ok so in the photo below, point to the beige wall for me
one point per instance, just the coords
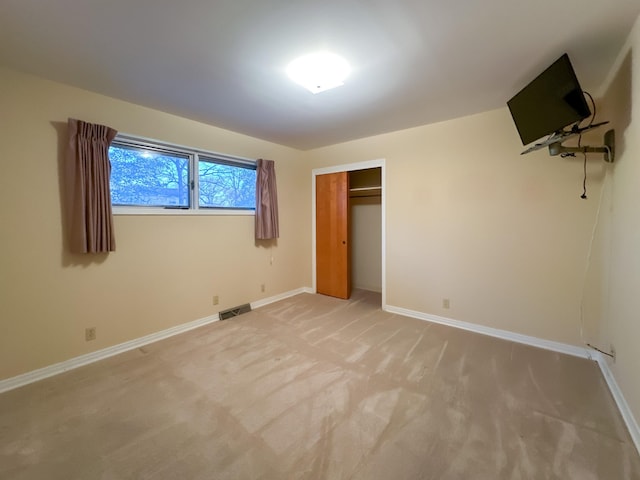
(166, 268)
(505, 237)
(366, 243)
(613, 308)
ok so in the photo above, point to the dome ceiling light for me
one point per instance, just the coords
(318, 72)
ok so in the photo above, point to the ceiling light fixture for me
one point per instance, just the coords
(318, 72)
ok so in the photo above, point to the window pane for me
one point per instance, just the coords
(226, 186)
(141, 177)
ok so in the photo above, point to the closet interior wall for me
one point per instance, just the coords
(365, 198)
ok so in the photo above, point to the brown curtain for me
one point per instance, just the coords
(266, 201)
(88, 205)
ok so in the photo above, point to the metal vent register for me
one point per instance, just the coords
(235, 311)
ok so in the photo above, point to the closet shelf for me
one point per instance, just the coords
(365, 192)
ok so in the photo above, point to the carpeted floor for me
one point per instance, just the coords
(314, 387)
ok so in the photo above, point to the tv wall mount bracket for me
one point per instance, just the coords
(554, 142)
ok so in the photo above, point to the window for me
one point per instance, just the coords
(153, 177)
(145, 177)
(225, 185)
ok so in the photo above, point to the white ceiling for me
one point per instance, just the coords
(223, 61)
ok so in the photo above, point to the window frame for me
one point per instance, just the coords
(193, 155)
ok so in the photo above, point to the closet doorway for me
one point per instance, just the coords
(348, 229)
(365, 205)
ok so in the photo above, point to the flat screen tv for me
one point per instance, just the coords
(552, 101)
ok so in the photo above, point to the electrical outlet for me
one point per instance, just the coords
(90, 334)
(216, 300)
(262, 287)
(446, 303)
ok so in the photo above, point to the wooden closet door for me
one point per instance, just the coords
(333, 258)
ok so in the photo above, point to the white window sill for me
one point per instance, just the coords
(180, 211)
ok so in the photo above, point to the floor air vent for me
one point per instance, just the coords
(235, 311)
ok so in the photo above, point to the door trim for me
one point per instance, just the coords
(348, 168)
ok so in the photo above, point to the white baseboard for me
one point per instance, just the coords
(496, 332)
(281, 296)
(55, 369)
(623, 406)
(576, 351)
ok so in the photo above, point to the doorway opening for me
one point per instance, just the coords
(365, 240)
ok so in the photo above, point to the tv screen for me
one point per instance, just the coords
(549, 103)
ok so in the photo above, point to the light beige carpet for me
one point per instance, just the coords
(319, 388)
